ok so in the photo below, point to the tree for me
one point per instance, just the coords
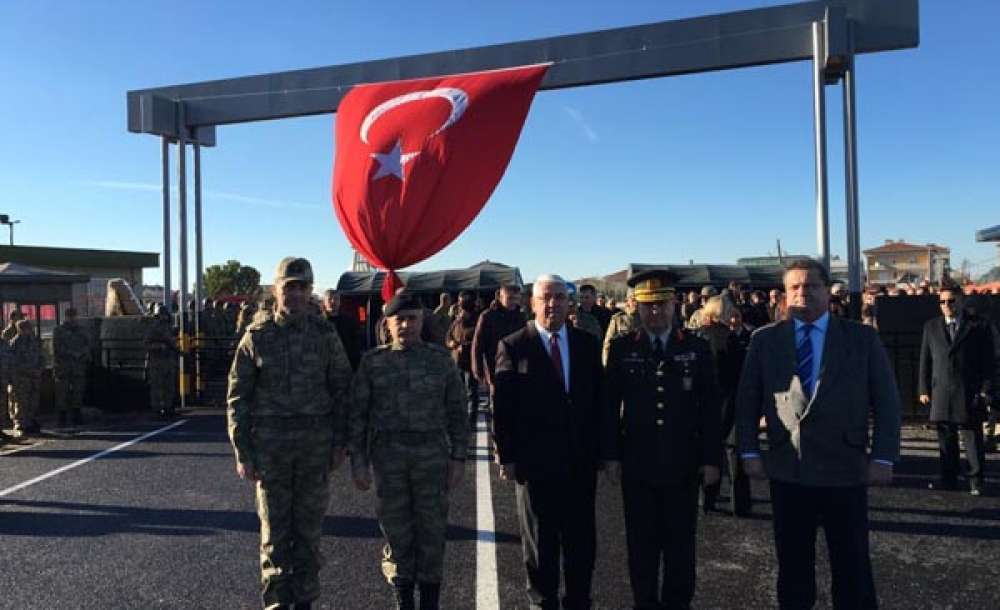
(231, 278)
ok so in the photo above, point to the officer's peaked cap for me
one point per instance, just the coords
(653, 285)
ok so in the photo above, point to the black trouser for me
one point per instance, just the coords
(738, 487)
(472, 392)
(660, 526)
(799, 510)
(557, 521)
(975, 451)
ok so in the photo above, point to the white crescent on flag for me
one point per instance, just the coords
(458, 99)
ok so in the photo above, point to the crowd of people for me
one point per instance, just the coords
(666, 395)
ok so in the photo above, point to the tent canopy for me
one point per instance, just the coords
(354, 283)
(24, 284)
(696, 276)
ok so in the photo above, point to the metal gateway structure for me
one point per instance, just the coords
(830, 33)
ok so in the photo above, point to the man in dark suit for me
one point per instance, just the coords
(661, 433)
(546, 426)
(348, 328)
(817, 379)
(956, 374)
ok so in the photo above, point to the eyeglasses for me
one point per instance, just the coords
(948, 301)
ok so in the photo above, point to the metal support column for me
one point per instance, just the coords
(199, 288)
(854, 284)
(182, 229)
(819, 129)
(165, 155)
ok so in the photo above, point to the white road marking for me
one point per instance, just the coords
(487, 588)
(62, 469)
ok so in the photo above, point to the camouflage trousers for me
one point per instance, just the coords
(162, 377)
(292, 498)
(24, 400)
(70, 382)
(411, 482)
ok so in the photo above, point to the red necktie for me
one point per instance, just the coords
(556, 355)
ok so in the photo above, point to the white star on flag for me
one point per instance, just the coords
(392, 162)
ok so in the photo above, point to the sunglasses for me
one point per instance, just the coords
(948, 301)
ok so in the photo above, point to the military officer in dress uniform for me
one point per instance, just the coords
(661, 437)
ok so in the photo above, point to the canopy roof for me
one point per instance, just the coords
(16, 273)
(450, 280)
(696, 276)
(24, 284)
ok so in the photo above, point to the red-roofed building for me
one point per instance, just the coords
(898, 261)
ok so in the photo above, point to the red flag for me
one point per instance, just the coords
(416, 160)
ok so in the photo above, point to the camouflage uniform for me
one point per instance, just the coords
(6, 417)
(622, 323)
(161, 365)
(407, 419)
(27, 363)
(247, 311)
(587, 321)
(71, 356)
(5, 364)
(286, 414)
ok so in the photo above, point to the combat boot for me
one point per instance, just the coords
(75, 417)
(404, 596)
(430, 595)
(63, 418)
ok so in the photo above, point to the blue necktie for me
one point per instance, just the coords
(804, 354)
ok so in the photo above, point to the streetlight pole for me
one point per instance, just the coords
(5, 220)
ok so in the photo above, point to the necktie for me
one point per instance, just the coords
(804, 355)
(658, 348)
(952, 329)
(556, 355)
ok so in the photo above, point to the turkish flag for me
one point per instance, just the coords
(416, 160)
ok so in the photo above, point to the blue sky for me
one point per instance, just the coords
(706, 167)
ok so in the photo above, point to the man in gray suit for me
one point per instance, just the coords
(816, 379)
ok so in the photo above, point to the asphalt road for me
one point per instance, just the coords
(165, 523)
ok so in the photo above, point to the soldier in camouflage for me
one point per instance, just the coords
(247, 311)
(408, 423)
(10, 331)
(71, 356)
(5, 364)
(27, 363)
(161, 363)
(622, 323)
(287, 391)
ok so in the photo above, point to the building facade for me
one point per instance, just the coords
(896, 262)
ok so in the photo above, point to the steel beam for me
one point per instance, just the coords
(716, 42)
